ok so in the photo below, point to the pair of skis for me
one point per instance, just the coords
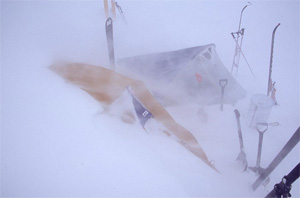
(238, 38)
(264, 173)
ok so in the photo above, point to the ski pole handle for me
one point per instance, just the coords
(242, 31)
(232, 34)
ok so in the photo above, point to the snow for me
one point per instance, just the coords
(56, 140)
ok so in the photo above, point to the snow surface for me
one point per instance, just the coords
(56, 140)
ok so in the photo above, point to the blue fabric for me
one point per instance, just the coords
(143, 114)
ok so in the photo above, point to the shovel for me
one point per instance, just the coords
(242, 155)
(222, 83)
(261, 128)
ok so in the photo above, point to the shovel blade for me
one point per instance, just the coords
(243, 158)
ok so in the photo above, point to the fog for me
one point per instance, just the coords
(57, 140)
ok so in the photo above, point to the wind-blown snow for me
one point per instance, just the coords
(56, 140)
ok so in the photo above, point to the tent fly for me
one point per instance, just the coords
(184, 76)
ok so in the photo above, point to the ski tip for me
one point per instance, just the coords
(211, 164)
(215, 169)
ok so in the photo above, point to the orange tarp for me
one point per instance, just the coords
(106, 86)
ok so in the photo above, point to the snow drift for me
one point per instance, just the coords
(106, 86)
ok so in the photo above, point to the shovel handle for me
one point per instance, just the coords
(262, 127)
(108, 22)
(237, 113)
(223, 82)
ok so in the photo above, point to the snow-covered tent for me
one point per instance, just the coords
(107, 86)
(189, 75)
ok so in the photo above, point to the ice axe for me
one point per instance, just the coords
(222, 83)
(242, 155)
(261, 127)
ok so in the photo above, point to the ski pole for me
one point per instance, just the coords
(284, 187)
(222, 83)
(261, 127)
(236, 57)
(292, 142)
(241, 52)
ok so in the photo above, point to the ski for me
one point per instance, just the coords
(110, 42)
(271, 61)
(284, 187)
(113, 8)
(242, 155)
(106, 8)
(292, 142)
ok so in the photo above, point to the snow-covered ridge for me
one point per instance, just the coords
(56, 140)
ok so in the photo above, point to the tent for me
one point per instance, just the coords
(106, 86)
(190, 75)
